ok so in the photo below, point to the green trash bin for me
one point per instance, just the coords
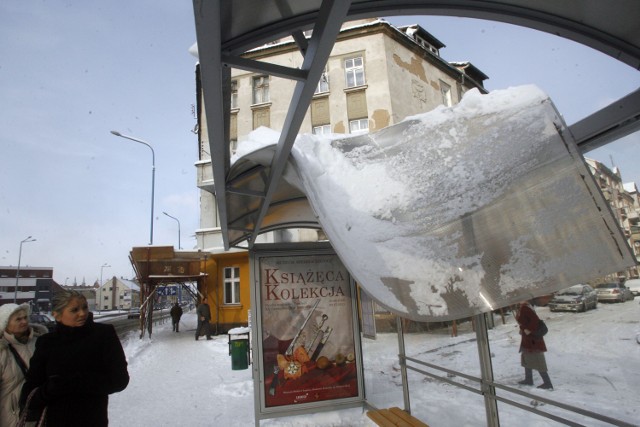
(239, 350)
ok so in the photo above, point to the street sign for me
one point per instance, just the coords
(167, 290)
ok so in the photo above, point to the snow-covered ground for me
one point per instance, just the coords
(593, 359)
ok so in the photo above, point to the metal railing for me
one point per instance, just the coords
(484, 384)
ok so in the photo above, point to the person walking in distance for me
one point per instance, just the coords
(176, 314)
(204, 317)
(532, 347)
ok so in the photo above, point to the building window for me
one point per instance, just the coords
(359, 126)
(232, 285)
(261, 117)
(445, 89)
(260, 89)
(323, 84)
(234, 94)
(354, 71)
(426, 45)
(321, 130)
(233, 126)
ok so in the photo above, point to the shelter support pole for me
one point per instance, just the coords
(486, 369)
(403, 365)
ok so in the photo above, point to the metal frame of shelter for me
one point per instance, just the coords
(227, 28)
(158, 266)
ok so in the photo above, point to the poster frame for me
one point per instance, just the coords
(256, 254)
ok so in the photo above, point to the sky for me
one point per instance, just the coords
(72, 71)
(176, 380)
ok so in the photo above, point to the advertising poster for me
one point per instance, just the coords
(308, 347)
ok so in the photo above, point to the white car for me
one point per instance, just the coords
(613, 291)
(634, 286)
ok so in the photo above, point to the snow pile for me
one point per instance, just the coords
(459, 210)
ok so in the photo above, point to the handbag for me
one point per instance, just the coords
(541, 330)
(42, 420)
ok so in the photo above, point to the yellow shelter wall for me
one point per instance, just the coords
(226, 316)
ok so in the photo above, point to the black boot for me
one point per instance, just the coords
(528, 377)
(546, 385)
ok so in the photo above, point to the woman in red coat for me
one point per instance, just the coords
(532, 348)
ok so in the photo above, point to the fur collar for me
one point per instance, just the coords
(36, 331)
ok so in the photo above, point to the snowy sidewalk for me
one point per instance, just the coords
(592, 358)
(178, 381)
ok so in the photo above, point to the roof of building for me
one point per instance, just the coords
(630, 187)
(163, 264)
(130, 284)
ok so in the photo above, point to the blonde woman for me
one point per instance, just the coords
(76, 367)
(17, 345)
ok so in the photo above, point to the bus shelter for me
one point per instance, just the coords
(251, 203)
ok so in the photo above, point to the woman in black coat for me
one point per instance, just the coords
(76, 367)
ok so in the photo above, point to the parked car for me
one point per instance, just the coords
(613, 291)
(634, 286)
(43, 319)
(575, 298)
(134, 313)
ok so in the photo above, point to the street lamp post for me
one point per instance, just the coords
(178, 221)
(102, 267)
(15, 293)
(153, 172)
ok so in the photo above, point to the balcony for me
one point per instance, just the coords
(205, 176)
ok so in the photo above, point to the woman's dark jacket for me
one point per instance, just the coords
(528, 319)
(76, 369)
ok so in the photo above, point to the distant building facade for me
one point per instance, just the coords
(376, 75)
(35, 286)
(623, 200)
(117, 294)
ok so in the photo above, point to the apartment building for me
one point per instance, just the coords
(623, 200)
(32, 285)
(117, 294)
(376, 75)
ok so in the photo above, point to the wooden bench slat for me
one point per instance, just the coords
(394, 417)
(379, 418)
(407, 417)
